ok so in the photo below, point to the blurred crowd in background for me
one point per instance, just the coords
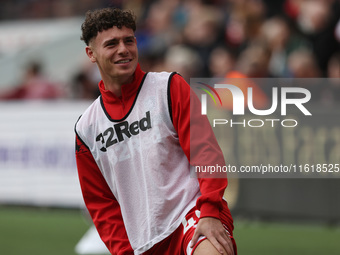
(198, 38)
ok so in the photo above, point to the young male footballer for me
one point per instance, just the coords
(133, 153)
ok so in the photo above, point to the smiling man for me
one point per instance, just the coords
(133, 154)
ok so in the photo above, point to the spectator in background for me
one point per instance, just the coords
(276, 33)
(252, 63)
(337, 31)
(202, 31)
(83, 87)
(157, 31)
(184, 60)
(333, 72)
(316, 22)
(243, 24)
(84, 84)
(221, 61)
(302, 64)
(334, 66)
(34, 86)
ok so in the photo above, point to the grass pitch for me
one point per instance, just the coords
(30, 231)
(34, 231)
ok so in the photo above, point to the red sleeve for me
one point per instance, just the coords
(195, 132)
(101, 203)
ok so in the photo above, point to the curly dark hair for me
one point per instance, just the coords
(102, 19)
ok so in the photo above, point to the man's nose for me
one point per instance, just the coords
(122, 49)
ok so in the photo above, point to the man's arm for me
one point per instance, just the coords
(101, 203)
(201, 148)
(199, 145)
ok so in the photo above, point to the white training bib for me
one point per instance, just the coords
(142, 162)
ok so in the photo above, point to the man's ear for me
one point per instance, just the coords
(90, 54)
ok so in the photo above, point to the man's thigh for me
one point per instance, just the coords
(206, 247)
(178, 243)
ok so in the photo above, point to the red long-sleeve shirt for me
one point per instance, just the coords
(193, 131)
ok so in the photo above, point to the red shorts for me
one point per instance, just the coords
(178, 243)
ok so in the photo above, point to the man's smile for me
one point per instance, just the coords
(123, 61)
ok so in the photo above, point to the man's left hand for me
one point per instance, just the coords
(213, 229)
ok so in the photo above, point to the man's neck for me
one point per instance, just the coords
(115, 85)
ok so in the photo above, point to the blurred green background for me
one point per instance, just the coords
(42, 231)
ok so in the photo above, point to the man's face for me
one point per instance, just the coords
(115, 52)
